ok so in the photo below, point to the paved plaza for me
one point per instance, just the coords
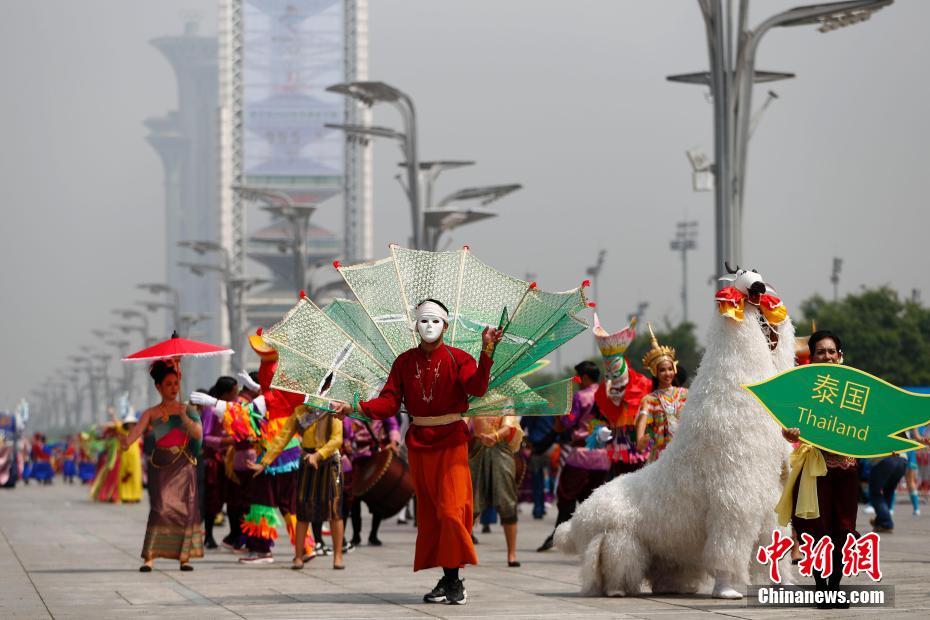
(62, 556)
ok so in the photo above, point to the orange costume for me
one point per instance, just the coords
(435, 388)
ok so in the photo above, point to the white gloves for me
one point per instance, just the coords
(205, 400)
(604, 435)
(247, 382)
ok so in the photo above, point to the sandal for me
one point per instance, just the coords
(297, 563)
(339, 566)
(145, 568)
(186, 567)
(513, 564)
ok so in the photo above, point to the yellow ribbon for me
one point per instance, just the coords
(806, 462)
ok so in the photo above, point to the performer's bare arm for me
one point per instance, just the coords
(474, 377)
(136, 432)
(193, 428)
(641, 440)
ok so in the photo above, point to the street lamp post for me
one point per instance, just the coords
(444, 218)
(731, 77)
(234, 288)
(370, 93)
(640, 311)
(104, 359)
(132, 313)
(835, 277)
(74, 379)
(685, 240)
(156, 288)
(122, 349)
(84, 363)
(297, 214)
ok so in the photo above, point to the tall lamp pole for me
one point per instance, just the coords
(685, 240)
(156, 288)
(370, 93)
(732, 74)
(835, 277)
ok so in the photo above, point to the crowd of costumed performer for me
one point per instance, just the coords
(276, 486)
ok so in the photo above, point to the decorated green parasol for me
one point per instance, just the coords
(345, 351)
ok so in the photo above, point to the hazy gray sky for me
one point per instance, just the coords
(567, 98)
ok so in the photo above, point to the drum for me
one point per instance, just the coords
(383, 482)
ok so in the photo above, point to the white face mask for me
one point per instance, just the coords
(430, 329)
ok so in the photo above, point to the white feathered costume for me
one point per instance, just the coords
(706, 505)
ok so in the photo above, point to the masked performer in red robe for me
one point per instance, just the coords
(433, 381)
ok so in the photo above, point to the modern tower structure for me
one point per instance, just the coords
(186, 141)
(275, 61)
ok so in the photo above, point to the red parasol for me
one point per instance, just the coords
(177, 347)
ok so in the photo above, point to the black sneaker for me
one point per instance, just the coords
(323, 549)
(347, 547)
(455, 592)
(438, 594)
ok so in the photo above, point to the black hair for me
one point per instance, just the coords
(222, 386)
(435, 301)
(822, 334)
(588, 369)
(161, 369)
(681, 376)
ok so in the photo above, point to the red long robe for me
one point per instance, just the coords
(429, 385)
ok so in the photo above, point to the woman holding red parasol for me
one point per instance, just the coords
(174, 528)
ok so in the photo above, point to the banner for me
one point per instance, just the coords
(844, 410)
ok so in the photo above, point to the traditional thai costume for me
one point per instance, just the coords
(435, 386)
(257, 424)
(130, 467)
(319, 489)
(661, 408)
(105, 487)
(360, 445)
(583, 468)
(41, 463)
(493, 468)
(69, 462)
(618, 398)
(214, 474)
(174, 529)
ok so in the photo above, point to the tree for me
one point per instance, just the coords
(881, 334)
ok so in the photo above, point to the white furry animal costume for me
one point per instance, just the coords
(708, 503)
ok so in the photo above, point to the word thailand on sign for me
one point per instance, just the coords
(843, 410)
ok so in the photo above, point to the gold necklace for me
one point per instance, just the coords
(420, 376)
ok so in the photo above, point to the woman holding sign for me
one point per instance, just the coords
(838, 490)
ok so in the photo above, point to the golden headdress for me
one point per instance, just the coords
(658, 354)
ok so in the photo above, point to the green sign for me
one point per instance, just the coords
(843, 410)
